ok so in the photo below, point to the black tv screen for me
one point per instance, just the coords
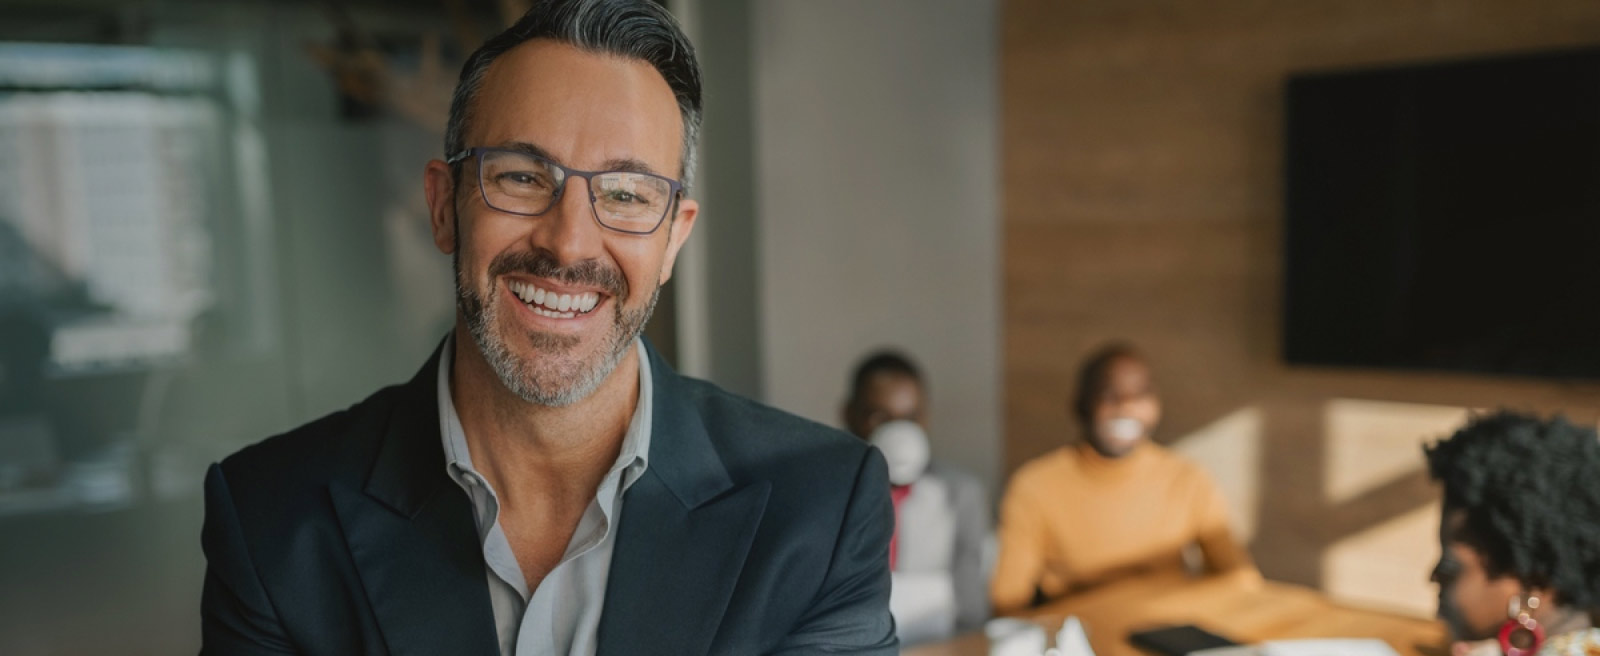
(1446, 216)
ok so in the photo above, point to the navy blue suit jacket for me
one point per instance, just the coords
(751, 532)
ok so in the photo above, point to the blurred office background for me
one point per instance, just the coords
(212, 230)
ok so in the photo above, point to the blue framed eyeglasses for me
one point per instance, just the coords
(521, 183)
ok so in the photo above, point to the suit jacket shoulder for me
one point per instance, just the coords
(321, 539)
(759, 442)
(286, 469)
(784, 525)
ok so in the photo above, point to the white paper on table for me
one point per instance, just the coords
(923, 605)
(1009, 636)
(1330, 647)
(1071, 640)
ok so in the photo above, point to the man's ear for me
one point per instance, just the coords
(678, 231)
(440, 187)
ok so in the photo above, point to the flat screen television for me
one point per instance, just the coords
(1446, 216)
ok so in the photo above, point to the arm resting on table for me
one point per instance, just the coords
(1020, 563)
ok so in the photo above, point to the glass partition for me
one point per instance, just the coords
(211, 230)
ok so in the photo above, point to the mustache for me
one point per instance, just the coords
(542, 264)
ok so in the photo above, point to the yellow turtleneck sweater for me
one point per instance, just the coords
(1072, 519)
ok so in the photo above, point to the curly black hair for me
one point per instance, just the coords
(1528, 492)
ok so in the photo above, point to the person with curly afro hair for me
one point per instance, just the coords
(1519, 565)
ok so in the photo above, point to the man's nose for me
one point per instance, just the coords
(568, 229)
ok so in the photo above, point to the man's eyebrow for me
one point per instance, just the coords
(627, 164)
(527, 149)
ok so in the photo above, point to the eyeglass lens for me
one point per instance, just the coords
(524, 184)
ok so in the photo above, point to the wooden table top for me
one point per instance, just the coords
(1240, 606)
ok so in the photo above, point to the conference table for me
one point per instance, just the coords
(1241, 606)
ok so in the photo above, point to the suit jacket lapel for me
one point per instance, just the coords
(683, 537)
(413, 539)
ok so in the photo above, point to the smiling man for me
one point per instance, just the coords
(546, 484)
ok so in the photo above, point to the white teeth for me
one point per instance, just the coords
(550, 304)
(547, 313)
(553, 315)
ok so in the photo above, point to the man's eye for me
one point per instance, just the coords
(627, 194)
(620, 191)
(523, 179)
(624, 197)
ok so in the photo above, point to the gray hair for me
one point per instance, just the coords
(636, 29)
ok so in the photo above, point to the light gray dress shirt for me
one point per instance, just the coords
(562, 616)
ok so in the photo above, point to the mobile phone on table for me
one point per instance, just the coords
(1177, 640)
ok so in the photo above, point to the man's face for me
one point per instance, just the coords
(885, 397)
(585, 111)
(1471, 602)
(1127, 410)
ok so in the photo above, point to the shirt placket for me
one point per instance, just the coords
(544, 606)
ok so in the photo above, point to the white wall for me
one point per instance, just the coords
(877, 214)
(719, 334)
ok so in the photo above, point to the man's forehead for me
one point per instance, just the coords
(582, 108)
(886, 385)
(1127, 368)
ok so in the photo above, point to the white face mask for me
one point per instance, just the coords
(905, 446)
(1121, 430)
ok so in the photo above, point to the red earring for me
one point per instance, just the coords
(1521, 635)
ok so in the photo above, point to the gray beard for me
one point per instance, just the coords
(544, 386)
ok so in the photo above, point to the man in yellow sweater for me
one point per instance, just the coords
(1113, 505)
